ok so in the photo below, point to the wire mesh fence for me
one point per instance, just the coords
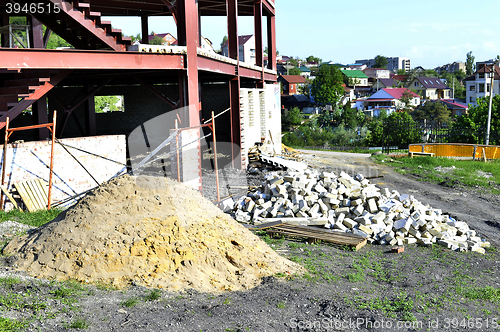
(397, 135)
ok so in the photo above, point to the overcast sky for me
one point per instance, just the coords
(430, 33)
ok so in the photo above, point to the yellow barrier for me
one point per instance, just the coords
(460, 150)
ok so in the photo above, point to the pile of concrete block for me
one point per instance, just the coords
(352, 204)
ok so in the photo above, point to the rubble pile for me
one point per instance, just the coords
(352, 204)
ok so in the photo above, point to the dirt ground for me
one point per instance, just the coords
(421, 289)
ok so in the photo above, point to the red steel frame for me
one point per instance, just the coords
(9, 131)
(186, 14)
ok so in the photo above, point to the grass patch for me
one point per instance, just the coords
(467, 173)
(7, 324)
(153, 295)
(79, 323)
(35, 219)
(130, 302)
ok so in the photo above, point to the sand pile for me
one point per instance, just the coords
(153, 232)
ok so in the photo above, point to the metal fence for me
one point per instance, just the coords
(397, 135)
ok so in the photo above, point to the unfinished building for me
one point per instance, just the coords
(153, 80)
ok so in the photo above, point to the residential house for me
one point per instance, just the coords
(430, 88)
(357, 80)
(167, 38)
(355, 77)
(304, 71)
(377, 73)
(478, 84)
(291, 83)
(455, 107)
(297, 100)
(382, 83)
(246, 46)
(389, 100)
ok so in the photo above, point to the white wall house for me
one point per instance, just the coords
(478, 84)
(246, 46)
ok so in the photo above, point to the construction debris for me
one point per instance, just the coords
(264, 155)
(352, 205)
(148, 231)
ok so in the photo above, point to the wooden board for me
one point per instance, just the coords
(33, 193)
(355, 241)
(9, 196)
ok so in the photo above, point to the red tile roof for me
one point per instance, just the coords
(397, 93)
(294, 78)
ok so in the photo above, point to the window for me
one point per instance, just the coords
(480, 75)
(471, 99)
(415, 84)
(481, 87)
(431, 82)
(472, 88)
(487, 87)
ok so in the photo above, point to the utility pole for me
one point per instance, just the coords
(488, 125)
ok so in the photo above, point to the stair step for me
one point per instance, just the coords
(83, 5)
(24, 81)
(13, 90)
(5, 99)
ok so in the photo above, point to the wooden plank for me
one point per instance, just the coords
(28, 191)
(45, 188)
(31, 188)
(9, 196)
(266, 225)
(38, 191)
(24, 196)
(40, 183)
(355, 241)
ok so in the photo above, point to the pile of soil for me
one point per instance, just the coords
(148, 231)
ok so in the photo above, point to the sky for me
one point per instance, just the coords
(430, 33)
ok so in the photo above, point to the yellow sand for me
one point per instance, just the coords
(151, 231)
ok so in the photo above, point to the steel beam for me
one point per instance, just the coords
(144, 29)
(250, 73)
(40, 112)
(76, 59)
(257, 12)
(90, 117)
(234, 102)
(36, 34)
(271, 42)
(212, 65)
(232, 29)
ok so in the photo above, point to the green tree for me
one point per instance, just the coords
(380, 62)
(313, 59)
(292, 119)
(476, 121)
(351, 117)
(157, 40)
(401, 130)
(401, 71)
(107, 104)
(405, 101)
(294, 71)
(432, 111)
(327, 88)
(224, 41)
(470, 66)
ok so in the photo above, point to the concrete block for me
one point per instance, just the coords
(227, 205)
(480, 250)
(485, 244)
(372, 206)
(344, 210)
(410, 240)
(349, 223)
(358, 210)
(365, 229)
(402, 224)
(360, 232)
(339, 225)
(379, 217)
